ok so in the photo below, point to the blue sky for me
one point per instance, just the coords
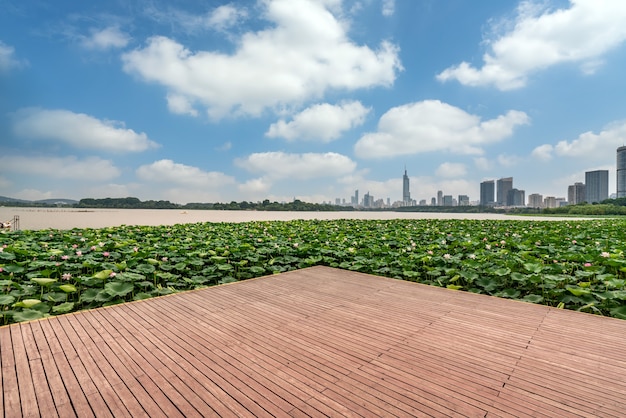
(213, 101)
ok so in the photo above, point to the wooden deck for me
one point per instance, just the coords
(316, 342)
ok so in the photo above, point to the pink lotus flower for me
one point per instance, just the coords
(587, 264)
(106, 254)
(605, 254)
(64, 257)
(66, 276)
(79, 253)
(135, 249)
(447, 256)
(113, 274)
(163, 258)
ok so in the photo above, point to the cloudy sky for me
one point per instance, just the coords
(214, 101)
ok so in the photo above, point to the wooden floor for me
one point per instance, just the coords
(316, 342)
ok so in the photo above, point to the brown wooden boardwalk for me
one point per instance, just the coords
(316, 342)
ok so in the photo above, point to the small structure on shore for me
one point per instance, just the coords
(13, 224)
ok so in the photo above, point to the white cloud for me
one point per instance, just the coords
(33, 194)
(180, 105)
(506, 160)
(221, 18)
(435, 126)
(588, 145)
(107, 38)
(543, 152)
(280, 165)
(389, 7)
(169, 172)
(225, 16)
(70, 168)
(304, 53)
(79, 130)
(255, 187)
(7, 58)
(451, 170)
(323, 122)
(540, 38)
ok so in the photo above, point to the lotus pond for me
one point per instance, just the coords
(577, 265)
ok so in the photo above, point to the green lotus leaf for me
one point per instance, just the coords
(103, 275)
(68, 288)
(89, 295)
(577, 291)
(27, 315)
(103, 296)
(119, 288)
(63, 308)
(6, 300)
(533, 298)
(619, 312)
(26, 303)
(55, 297)
(142, 296)
(13, 268)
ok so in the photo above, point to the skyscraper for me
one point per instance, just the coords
(406, 194)
(504, 186)
(439, 198)
(621, 172)
(576, 194)
(487, 193)
(596, 185)
(535, 200)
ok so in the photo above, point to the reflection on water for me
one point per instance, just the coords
(43, 218)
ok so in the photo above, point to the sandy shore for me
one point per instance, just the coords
(56, 218)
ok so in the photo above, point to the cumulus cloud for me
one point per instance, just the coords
(323, 122)
(280, 165)
(180, 105)
(482, 163)
(221, 18)
(79, 130)
(588, 145)
(302, 54)
(7, 58)
(169, 172)
(107, 38)
(255, 187)
(540, 38)
(451, 170)
(435, 126)
(543, 152)
(389, 7)
(70, 168)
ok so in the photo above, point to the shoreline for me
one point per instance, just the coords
(34, 218)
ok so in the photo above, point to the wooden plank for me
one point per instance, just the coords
(10, 388)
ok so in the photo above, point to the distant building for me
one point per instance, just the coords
(549, 202)
(447, 200)
(487, 193)
(406, 194)
(535, 200)
(576, 194)
(504, 186)
(355, 198)
(516, 197)
(621, 172)
(596, 186)
(423, 202)
(439, 198)
(463, 200)
(433, 202)
(368, 200)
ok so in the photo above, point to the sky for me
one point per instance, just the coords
(217, 101)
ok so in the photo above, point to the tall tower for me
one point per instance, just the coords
(439, 198)
(487, 193)
(621, 171)
(406, 194)
(504, 186)
(596, 186)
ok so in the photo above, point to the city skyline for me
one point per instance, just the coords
(310, 99)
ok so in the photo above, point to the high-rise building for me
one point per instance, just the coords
(487, 193)
(433, 202)
(515, 197)
(447, 200)
(576, 193)
(535, 200)
(406, 194)
(621, 172)
(439, 198)
(504, 186)
(463, 200)
(549, 202)
(596, 186)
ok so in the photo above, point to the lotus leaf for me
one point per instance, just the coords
(63, 308)
(102, 275)
(6, 300)
(119, 288)
(27, 303)
(27, 315)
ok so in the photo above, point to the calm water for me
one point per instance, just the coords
(39, 218)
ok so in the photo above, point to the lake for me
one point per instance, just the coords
(61, 218)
